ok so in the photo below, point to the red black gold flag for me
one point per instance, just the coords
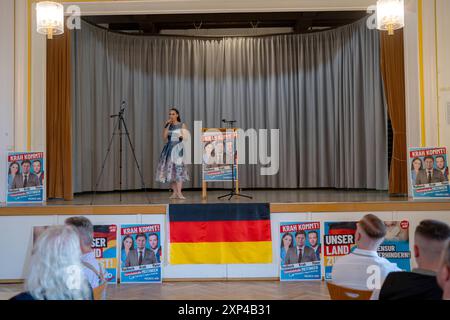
(220, 234)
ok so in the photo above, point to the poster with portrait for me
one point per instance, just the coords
(141, 253)
(219, 153)
(104, 245)
(300, 251)
(339, 240)
(429, 175)
(25, 177)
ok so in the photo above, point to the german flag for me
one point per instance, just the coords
(220, 234)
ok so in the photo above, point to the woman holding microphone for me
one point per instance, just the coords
(171, 168)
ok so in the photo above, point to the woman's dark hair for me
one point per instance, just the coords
(18, 167)
(213, 152)
(287, 234)
(178, 113)
(414, 160)
(132, 242)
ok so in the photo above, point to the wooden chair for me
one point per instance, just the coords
(100, 292)
(342, 293)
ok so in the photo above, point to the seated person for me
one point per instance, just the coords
(443, 276)
(420, 284)
(353, 270)
(56, 252)
(92, 270)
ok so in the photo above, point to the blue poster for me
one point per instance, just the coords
(339, 240)
(429, 176)
(395, 246)
(141, 253)
(25, 177)
(300, 251)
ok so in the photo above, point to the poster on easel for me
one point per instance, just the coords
(26, 182)
(300, 251)
(429, 174)
(219, 154)
(141, 253)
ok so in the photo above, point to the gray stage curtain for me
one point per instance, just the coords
(323, 91)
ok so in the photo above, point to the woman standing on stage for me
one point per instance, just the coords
(171, 168)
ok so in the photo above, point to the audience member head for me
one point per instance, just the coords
(443, 276)
(370, 232)
(56, 269)
(85, 231)
(429, 240)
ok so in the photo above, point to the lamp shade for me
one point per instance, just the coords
(390, 15)
(50, 18)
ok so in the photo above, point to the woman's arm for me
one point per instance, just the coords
(166, 131)
(184, 131)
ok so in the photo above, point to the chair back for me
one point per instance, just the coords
(100, 291)
(343, 293)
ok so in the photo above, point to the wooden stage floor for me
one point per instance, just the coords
(281, 201)
(269, 196)
(211, 290)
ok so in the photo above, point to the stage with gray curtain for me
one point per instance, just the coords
(324, 92)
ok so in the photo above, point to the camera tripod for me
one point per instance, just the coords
(120, 129)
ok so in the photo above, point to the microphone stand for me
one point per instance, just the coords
(233, 193)
(120, 125)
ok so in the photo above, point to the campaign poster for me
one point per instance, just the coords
(300, 251)
(25, 177)
(104, 245)
(141, 253)
(219, 155)
(395, 246)
(339, 240)
(429, 176)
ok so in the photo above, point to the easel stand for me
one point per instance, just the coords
(235, 184)
(119, 130)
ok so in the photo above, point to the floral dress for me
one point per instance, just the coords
(170, 166)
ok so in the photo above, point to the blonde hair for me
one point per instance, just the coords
(56, 271)
(373, 226)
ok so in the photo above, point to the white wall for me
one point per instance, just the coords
(436, 72)
(443, 36)
(16, 240)
(6, 88)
